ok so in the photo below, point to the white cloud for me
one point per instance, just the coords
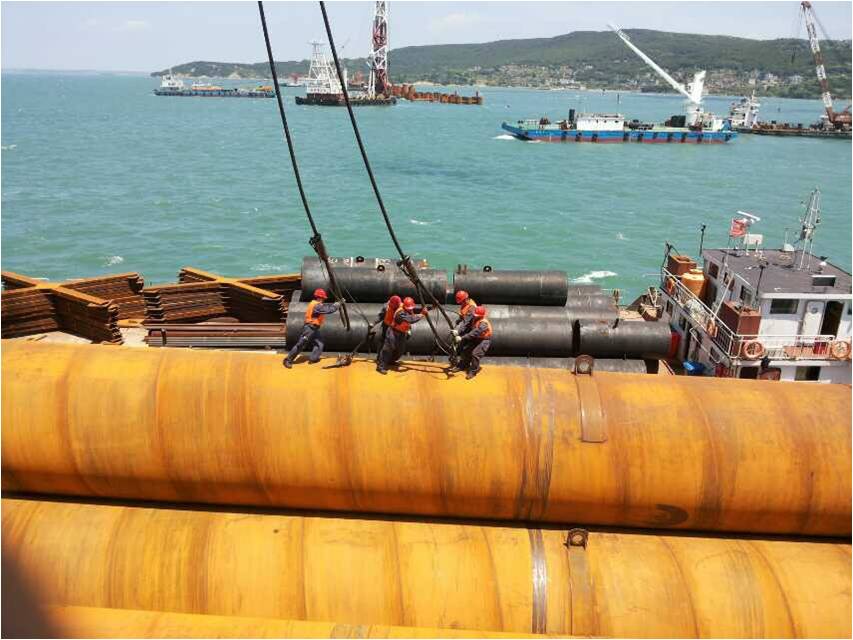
(134, 25)
(90, 23)
(452, 21)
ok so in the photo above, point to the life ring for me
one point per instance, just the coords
(753, 350)
(711, 328)
(669, 285)
(840, 349)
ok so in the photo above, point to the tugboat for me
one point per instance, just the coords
(173, 86)
(750, 312)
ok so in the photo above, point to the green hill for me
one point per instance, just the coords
(598, 59)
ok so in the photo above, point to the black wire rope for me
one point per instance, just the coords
(316, 240)
(406, 262)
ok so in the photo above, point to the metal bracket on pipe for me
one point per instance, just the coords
(583, 611)
(589, 402)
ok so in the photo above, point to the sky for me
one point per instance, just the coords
(149, 36)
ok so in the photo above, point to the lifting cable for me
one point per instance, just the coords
(405, 263)
(316, 240)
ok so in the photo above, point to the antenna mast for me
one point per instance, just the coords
(379, 84)
(810, 221)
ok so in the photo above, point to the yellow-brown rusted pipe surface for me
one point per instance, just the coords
(100, 622)
(514, 443)
(429, 574)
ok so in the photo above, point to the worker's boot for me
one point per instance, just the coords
(471, 374)
(384, 372)
(288, 363)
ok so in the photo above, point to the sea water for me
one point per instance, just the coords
(101, 176)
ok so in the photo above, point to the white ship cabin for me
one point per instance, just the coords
(600, 122)
(770, 314)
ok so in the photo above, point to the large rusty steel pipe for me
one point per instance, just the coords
(102, 622)
(514, 443)
(544, 288)
(429, 574)
(371, 281)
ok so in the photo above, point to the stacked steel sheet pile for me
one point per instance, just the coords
(256, 305)
(170, 501)
(82, 307)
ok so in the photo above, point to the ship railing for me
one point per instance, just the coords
(734, 345)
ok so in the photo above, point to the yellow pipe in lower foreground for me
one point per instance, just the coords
(98, 622)
(427, 574)
(515, 443)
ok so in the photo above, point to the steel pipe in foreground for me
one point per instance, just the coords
(102, 622)
(514, 443)
(428, 574)
(626, 339)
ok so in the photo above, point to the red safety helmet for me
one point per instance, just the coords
(394, 301)
(480, 312)
(408, 304)
(461, 296)
(320, 293)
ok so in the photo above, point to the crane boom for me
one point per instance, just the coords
(808, 16)
(675, 84)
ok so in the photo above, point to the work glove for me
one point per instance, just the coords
(457, 339)
(455, 333)
(337, 305)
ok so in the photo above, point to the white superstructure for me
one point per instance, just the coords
(171, 82)
(744, 114)
(600, 122)
(778, 314)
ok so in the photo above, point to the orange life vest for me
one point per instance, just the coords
(487, 334)
(316, 321)
(390, 312)
(467, 307)
(400, 325)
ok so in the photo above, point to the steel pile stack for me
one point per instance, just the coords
(524, 501)
(81, 307)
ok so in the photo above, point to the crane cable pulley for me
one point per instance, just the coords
(405, 264)
(316, 240)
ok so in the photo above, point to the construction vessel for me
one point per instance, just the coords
(752, 312)
(173, 86)
(833, 124)
(695, 126)
(323, 87)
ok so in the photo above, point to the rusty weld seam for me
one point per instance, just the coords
(539, 620)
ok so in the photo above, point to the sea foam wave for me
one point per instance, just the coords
(267, 267)
(504, 136)
(587, 278)
(112, 260)
(8, 147)
(422, 223)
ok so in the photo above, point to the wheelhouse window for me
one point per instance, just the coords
(713, 269)
(780, 306)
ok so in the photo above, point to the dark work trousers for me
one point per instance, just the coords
(472, 353)
(381, 341)
(310, 337)
(393, 347)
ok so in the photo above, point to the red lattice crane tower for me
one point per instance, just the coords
(840, 119)
(379, 83)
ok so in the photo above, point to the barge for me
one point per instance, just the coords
(612, 127)
(172, 86)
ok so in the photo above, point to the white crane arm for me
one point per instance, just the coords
(675, 84)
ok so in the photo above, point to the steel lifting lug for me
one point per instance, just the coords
(584, 365)
(577, 538)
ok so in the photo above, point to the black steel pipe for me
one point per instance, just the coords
(576, 289)
(586, 302)
(518, 330)
(544, 288)
(627, 339)
(374, 280)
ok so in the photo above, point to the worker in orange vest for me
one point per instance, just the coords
(476, 342)
(466, 312)
(315, 315)
(396, 338)
(386, 317)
